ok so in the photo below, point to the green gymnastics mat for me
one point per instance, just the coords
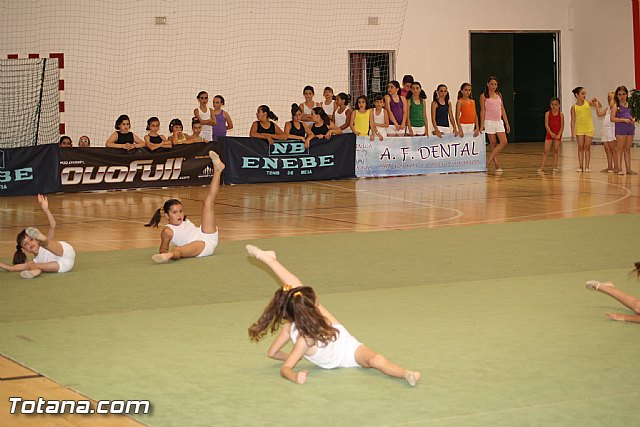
(496, 317)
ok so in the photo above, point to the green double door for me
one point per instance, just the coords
(526, 66)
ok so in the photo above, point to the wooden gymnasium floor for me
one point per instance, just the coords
(113, 220)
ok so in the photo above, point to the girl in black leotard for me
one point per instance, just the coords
(296, 129)
(264, 128)
(153, 140)
(123, 138)
(322, 127)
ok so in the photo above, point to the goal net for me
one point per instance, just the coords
(29, 102)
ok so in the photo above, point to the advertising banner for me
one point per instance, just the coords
(251, 160)
(29, 170)
(419, 155)
(88, 169)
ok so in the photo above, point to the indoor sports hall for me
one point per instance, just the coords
(473, 277)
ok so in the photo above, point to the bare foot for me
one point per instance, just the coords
(413, 377)
(162, 258)
(594, 285)
(34, 233)
(30, 274)
(217, 163)
(258, 253)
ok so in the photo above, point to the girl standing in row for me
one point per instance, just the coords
(204, 116)
(418, 124)
(396, 106)
(308, 92)
(466, 117)
(554, 124)
(223, 120)
(441, 113)
(329, 104)
(625, 129)
(342, 113)
(582, 127)
(493, 120)
(361, 118)
(608, 135)
(378, 119)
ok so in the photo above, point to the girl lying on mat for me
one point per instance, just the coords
(51, 256)
(189, 240)
(316, 334)
(627, 300)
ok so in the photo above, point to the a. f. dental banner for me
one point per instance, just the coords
(251, 160)
(419, 155)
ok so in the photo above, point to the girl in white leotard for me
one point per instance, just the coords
(189, 240)
(342, 113)
(316, 334)
(51, 256)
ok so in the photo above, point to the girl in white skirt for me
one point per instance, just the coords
(316, 334)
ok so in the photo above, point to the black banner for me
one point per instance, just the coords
(29, 170)
(251, 160)
(87, 169)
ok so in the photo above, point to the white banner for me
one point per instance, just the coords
(419, 155)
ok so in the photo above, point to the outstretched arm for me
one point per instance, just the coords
(625, 317)
(44, 204)
(17, 267)
(269, 258)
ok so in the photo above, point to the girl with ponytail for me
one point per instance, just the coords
(189, 240)
(50, 256)
(316, 334)
(322, 127)
(264, 127)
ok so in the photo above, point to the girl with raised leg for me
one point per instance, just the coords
(189, 240)
(50, 256)
(625, 299)
(316, 333)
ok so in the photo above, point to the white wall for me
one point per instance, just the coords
(595, 52)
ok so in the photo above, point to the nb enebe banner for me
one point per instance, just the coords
(86, 169)
(29, 170)
(250, 160)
